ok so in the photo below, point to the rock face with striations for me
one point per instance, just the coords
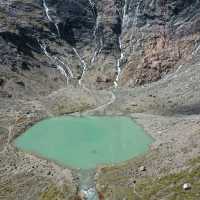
(128, 42)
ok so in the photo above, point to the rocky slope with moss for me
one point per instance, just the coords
(138, 58)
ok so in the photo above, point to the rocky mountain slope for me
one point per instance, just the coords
(134, 41)
(138, 58)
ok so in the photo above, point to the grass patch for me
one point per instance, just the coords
(170, 186)
(115, 186)
(53, 192)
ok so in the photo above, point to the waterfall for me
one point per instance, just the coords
(83, 65)
(152, 3)
(47, 10)
(44, 48)
(49, 17)
(125, 16)
(57, 28)
(174, 74)
(196, 49)
(60, 65)
(97, 51)
(120, 59)
(119, 63)
(69, 72)
(99, 45)
(135, 19)
(94, 56)
(92, 4)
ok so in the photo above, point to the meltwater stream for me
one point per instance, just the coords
(85, 142)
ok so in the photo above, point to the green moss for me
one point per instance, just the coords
(52, 192)
(6, 189)
(15, 187)
(168, 187)
(194, 161)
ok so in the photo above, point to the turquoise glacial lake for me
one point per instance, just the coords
(85, 142)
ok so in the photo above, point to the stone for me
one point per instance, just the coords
(187, 186)
(142, 168)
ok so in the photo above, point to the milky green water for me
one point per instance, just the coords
(85, 142)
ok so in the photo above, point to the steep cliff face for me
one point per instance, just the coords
(160, 36)
(105, 42)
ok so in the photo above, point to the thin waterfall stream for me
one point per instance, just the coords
(122, 55)
(83, 65)
(60, 65)
(135, 21)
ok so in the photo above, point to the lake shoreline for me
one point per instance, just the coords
(165, 154)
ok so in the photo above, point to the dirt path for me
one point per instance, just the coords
(103, 106)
